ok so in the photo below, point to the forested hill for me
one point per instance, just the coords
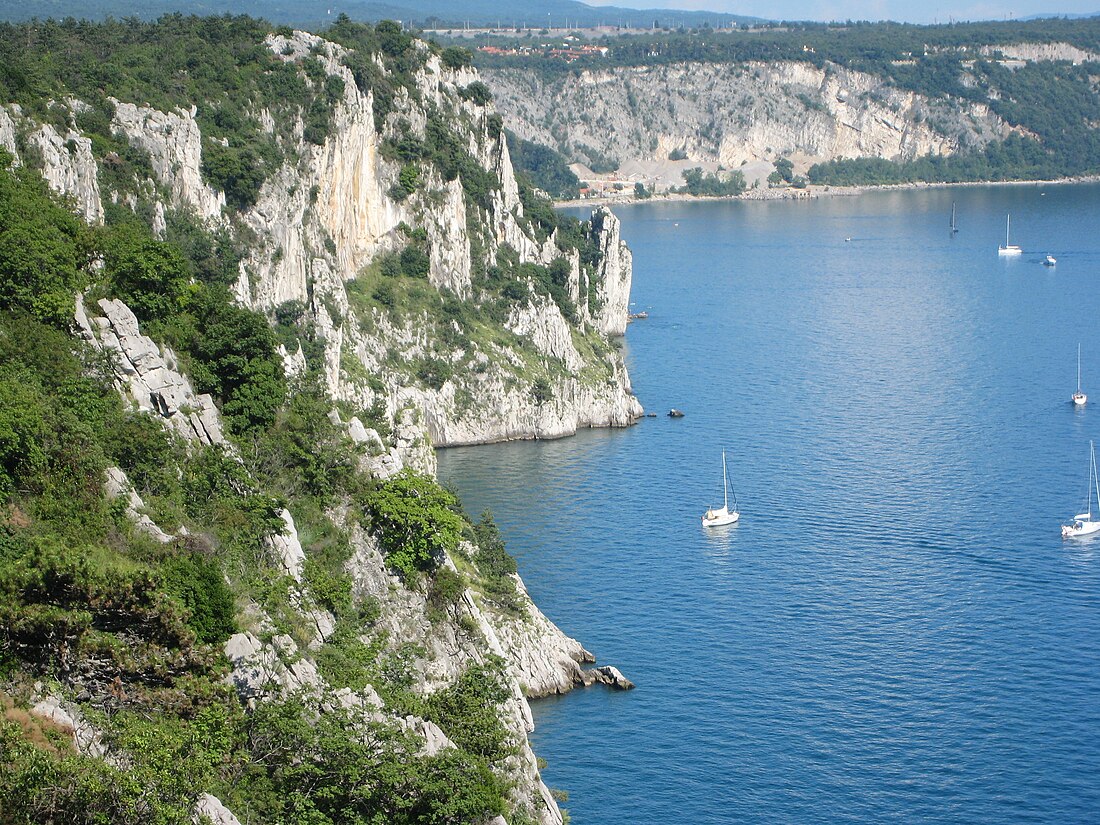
(1037, 77)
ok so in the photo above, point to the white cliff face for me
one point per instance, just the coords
(148, 375)
(174, 143)
(613, 276)
(70, 169)
(1036, 52)
(736, 113)
(67, 164)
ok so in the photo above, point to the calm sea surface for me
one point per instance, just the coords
(895, 629)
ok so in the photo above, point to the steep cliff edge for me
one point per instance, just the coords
(734, 114)
(260, 544)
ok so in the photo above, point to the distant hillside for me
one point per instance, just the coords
(863, 103)
(426, 13)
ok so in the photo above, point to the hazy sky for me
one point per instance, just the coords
(910, 11)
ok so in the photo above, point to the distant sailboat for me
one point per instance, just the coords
(717, 516)
(1009, 248)
(1083, 523)
(954, 228)
(1050, 260)
(1079, 398)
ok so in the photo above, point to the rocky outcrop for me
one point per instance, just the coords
(174, 143)
(1037, 52)
(613, 275)
(149, 375)
(66, 161)
(733, 114)
(118, 486)
(209, 810)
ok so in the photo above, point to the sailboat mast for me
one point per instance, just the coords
(725, 483)
(1078, 368)
(1096, 484)
(1008, 228)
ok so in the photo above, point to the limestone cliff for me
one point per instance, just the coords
(733, 114)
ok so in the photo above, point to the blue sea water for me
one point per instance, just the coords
(895, 629)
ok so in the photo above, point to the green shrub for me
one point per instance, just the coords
(198, 583)
(415, 522)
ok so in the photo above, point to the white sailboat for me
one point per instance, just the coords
(1079, 398)
(717, 516)
(1009, 248)
(1083, 523)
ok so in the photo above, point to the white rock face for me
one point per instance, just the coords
(210, 809)
(735, 113)
(70, 169)
(118, 485)
(1036, 52)
(174, 144)
(147, 375)
(614, 274)
(261, 670)
(287, 548)
(87, 738)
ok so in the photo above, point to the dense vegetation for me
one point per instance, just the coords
(131, 629)
(1054, 104)
(544, 168)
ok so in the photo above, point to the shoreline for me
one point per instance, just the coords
(811, 192)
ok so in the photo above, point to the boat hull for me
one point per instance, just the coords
(1009, 250)
(720, 517)
(1079, 528)
(1080, 399)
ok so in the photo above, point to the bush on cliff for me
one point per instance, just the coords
(415, 521)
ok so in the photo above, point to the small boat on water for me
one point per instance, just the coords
(1009, 248)
(675, 413)
(1079, 398)
(637, 315)
(717, 516)
(1049, 260)
(1083, 523)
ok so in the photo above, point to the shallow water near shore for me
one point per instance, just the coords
(895, 628)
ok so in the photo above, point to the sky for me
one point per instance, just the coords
(908, 11)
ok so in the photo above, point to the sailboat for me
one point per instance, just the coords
(954, 228)
(1009, 248)
(717, 516)
(1083, 523)
(1079, 398)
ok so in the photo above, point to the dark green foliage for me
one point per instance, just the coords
(329, 770)
(546, 169)
(304, 454)
(444, 591)
(435, 372)
(214, 255)
(197, 582)
(698, 182)
(150, 276)
(409, 178)
(1016, 158)
(236, 171)
(784, 170)
(496, 565)
(467, 710)
(415, 522)
(456, 57)
(477, 92)
(45, 250)
(415, 263)
(232, 356)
